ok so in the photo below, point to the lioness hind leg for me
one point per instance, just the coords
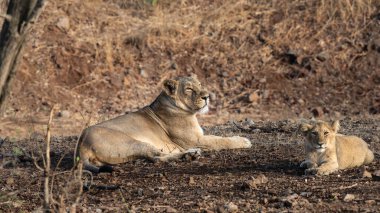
(95, 169)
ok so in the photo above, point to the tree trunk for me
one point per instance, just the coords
(21, 15)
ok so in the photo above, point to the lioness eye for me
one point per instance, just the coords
(314, 133)
(326, 133)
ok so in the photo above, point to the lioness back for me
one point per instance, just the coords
(352, 151)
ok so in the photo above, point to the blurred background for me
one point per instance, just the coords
(262, 60)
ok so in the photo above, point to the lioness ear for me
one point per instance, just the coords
(194, 76)
(335, 125)
(170, 86)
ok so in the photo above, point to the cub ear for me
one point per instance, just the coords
(335, 126)
(304, 127)
(170, 86)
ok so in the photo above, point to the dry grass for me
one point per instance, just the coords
(277, 49)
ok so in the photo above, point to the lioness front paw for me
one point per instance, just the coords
(241, 142)
(192, 154)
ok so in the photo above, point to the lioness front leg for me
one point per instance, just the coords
(191, 154)
(217, 143)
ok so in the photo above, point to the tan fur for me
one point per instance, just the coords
(327, 151)
(165, 130)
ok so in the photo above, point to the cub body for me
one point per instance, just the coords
(327, 151)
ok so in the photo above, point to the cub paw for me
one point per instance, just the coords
(308, 164)
(311, 171)
(318, 171)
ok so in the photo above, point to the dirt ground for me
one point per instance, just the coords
(267, 64)
(264, 178)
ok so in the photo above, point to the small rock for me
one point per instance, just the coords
(370, 202)
(301, 101)
(170, 209)
(253, 182)
(191, 181)
(140, 192)
(376, 175)
(10, 181)
(261, 179)
(292, 196)
(265, 201)
(365, 173)
(348, 197)
(248, 122)
(254, 97)
(143, 73)
(335, 195)
(173, 66)
(231, 207)
(98, 211)
(375, 139)
(63, 23)
(323, 56)
(63, 114)
(305, 194)
(212, 96)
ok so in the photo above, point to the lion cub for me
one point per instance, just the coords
(327, 151)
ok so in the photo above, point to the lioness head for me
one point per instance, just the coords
(320, 135)
(187, 94)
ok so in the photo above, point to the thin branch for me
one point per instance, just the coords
(36, 163)
(48, 162)
(6, 17)
(346, 187)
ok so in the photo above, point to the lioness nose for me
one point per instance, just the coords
(205, 95)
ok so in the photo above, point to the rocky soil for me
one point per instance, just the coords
(265, 177)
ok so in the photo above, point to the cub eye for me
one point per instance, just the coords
(314, 133)
(326, 133)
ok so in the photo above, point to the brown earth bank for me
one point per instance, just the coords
(267, 59)
(264, 178)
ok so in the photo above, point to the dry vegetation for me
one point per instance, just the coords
(265, 59)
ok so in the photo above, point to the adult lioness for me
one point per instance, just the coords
(327, 151)
(165, 130)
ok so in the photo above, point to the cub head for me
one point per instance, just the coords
(187, 94)
(320, 135)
